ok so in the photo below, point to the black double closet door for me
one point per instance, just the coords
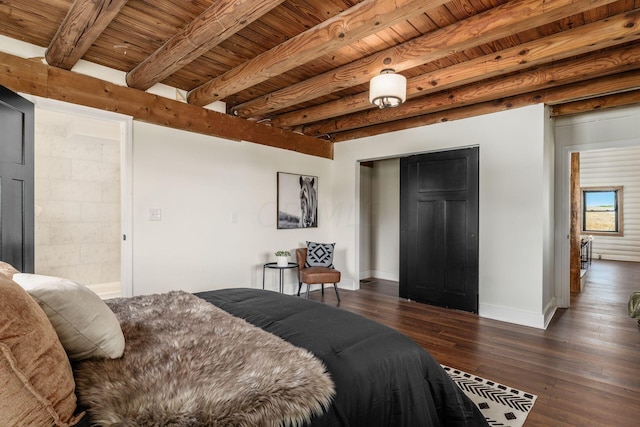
(439, 228)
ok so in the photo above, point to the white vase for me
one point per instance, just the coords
(283, 261)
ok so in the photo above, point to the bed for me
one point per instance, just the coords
(379, 376)
(233, 357)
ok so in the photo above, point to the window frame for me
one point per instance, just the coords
(618, 210)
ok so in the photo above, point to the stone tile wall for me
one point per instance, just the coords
(78, 212)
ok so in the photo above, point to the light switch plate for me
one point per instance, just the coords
(155, 214)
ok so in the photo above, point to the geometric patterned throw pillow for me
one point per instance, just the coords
(319, 255)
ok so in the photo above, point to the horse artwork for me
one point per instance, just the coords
(308, 202)
(297, 201)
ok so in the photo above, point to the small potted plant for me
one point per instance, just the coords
(283, 258)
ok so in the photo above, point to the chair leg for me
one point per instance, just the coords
(322, 284)
(308, 286)
(335, 286)
(299, 287)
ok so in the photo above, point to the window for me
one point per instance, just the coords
(602, 210)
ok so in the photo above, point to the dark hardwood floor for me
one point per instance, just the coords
(585, 368)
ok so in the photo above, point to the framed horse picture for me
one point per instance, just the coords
(297, 200)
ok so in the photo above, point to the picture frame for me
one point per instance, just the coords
(297, 204)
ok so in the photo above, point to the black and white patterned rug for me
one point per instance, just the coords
(501, 405)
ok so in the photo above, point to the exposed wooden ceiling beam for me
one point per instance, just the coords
(592, 88)
(428, 119)
(568, 71)
(332, 34)
(220, 21)
(33, 77)
(502, 21)
(577, 41)
(599, 103)
(85, 21)
(602, 86)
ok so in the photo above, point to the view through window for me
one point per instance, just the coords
(601, 210)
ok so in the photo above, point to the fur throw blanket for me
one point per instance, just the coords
(189, 363)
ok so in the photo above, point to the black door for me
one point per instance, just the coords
(16, 181)
(439, 228)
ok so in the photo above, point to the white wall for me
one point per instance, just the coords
(513, 202)
(200, 183)
(616, 167)
(614, 128)
(385, 220)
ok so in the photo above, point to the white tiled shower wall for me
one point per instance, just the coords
(77, 211)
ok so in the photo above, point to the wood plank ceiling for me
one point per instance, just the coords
(304, 65)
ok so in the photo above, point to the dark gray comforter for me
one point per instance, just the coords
(382, 377)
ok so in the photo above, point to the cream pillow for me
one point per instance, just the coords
(85, 325)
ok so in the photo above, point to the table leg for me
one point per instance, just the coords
(281, 279)
(263, 269)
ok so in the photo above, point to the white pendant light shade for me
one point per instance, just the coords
(388, 89)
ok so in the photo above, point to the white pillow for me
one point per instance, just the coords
(84, 323)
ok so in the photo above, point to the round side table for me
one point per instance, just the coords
(274, 265)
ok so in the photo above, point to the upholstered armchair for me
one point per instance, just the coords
(315, 275)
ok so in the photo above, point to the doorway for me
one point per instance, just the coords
(379, 255)
(598, 130)
(82, 197)
(380, 219)
(600, 169)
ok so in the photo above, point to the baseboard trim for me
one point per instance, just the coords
(385, 275)
(519, 317)
(366, 274)
(106, 290)
(550, 311)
